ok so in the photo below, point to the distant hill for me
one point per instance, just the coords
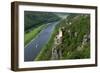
(35, 19)
(62, 15)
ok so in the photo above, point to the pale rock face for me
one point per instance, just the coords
(76, 34)
(60, 34)
(58, 37)
(70, 23)
(56, 43)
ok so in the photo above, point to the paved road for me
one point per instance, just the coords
(33, 48)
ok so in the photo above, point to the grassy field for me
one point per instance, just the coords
(32, 34)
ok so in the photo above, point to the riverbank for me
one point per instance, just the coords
(32, 34)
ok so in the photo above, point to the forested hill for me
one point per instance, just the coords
(35, 19)
(76, 36)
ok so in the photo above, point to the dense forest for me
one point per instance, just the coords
(76, 37)
(35, 19)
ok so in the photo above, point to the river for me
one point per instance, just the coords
(35, 46)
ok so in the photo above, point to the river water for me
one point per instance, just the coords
(35, 46)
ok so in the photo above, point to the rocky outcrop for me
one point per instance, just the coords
(56, 51)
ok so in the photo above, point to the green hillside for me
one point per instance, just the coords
(35, 19)
(76, 37)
